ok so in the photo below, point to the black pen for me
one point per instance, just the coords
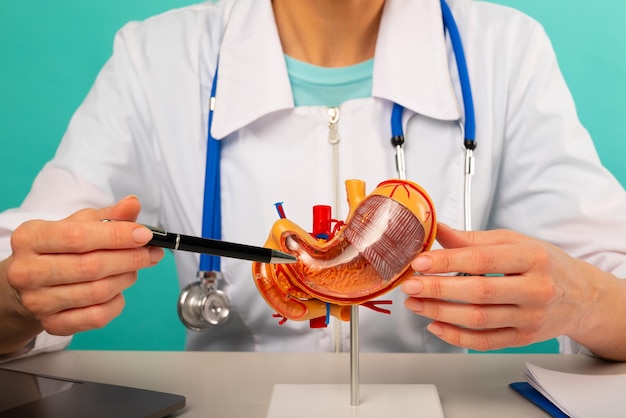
(162, 238)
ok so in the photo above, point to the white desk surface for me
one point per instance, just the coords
(239, 385)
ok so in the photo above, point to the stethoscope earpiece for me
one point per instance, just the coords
(201, 305)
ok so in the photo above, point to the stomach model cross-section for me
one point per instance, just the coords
(347, 263)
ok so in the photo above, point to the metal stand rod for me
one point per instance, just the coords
(354, 356)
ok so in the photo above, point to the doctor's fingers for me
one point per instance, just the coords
(45, 302)
(479, 317)
(483, 339)
(77, 236)
(454, 238)
(126, 209)
(514, 289)
(38, 271)
(71, 321)
(515, 258)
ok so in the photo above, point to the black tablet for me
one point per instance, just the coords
(32, 395)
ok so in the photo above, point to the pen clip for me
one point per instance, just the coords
(156, 230)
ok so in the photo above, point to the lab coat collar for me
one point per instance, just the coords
(410, 66)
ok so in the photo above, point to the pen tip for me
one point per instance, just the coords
(279, 257)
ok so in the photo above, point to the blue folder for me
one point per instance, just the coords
(530, 393)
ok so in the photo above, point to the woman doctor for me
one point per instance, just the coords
(304, 95)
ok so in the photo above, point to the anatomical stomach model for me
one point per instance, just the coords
(347, 263)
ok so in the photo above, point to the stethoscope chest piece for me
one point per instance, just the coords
(201, 305)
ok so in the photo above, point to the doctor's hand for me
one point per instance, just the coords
(68, 276)
(533, 292)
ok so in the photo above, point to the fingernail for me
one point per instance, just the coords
(156, 254)
(416, 305)
(130, 196)
(422, 263)
(435, 329)
(412, 287)
(142, 235)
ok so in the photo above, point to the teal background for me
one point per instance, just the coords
(52, 51)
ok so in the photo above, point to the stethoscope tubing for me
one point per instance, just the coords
(468, 128)
(212, 208)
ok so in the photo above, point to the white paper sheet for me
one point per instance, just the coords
(578, 395)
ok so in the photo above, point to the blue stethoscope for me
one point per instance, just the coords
(201, 304)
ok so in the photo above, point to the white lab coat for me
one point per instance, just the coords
(143, 130)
